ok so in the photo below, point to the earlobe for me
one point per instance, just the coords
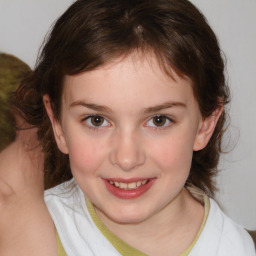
(206, 129)
(56, 126)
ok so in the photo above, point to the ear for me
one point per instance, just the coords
(206, 129)
(56, 126)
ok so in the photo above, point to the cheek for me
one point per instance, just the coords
(173, 153)
(86, 155)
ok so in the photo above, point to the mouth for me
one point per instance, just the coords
(128, 189)
(130, 185)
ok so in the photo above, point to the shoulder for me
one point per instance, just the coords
(222, 236)
(65, 196)
(60, 190)
(76, 229)
(233, 236)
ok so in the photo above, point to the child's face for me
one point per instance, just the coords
(129, 123)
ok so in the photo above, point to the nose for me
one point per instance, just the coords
(127, 151)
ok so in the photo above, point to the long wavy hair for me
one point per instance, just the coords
(92, 33)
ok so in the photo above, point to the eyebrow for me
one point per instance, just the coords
(163, 106)
(147, 110)
(90, 106)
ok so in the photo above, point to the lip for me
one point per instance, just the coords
(129, 194)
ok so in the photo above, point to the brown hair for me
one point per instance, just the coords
(93, 32)
(12, 70)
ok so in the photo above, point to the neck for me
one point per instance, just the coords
(172, 229)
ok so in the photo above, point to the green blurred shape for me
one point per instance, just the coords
(12, 70)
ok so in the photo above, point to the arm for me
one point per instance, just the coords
(26, 227)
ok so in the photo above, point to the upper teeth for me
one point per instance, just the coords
(128, 186)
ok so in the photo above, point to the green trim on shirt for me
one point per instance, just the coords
(124, 248)
(206, 212)
(61, 251)
(127, 250)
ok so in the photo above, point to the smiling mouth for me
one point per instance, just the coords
(130, 185)
(128, 189)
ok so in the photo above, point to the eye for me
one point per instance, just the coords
(96, 121)
(159, 121)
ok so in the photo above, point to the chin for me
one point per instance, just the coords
(128, 217)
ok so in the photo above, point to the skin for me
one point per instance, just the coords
(128, 145)
(26, 227)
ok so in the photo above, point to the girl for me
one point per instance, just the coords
(129, 98)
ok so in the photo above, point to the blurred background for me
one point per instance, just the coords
(24, 24)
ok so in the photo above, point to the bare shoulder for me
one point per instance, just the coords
(26, 227)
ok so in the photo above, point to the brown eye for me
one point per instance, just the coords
(96, 121)
(159, 120)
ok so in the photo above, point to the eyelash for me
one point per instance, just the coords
(95, 127)
(164, 126)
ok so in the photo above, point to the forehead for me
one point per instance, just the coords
(141, 79)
